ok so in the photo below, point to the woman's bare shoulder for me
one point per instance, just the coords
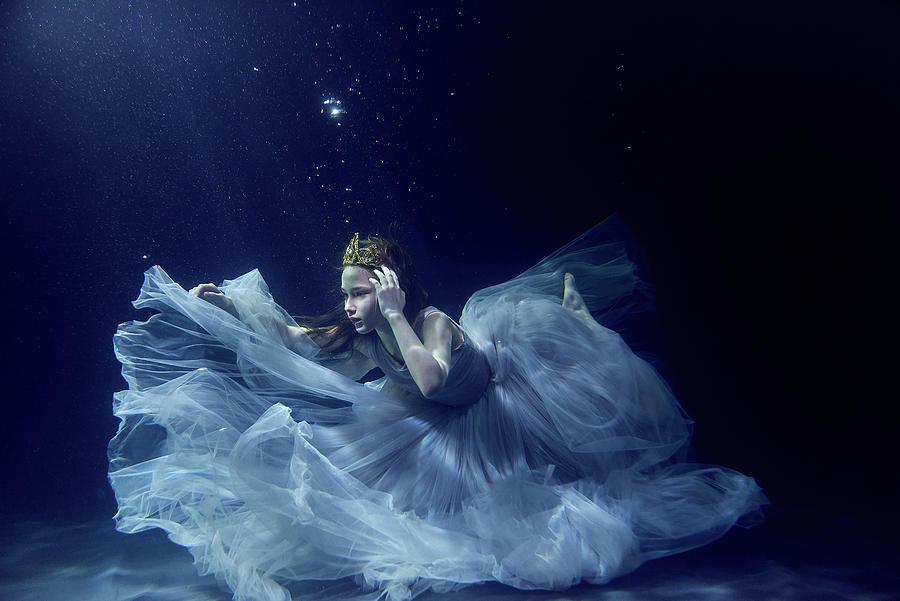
(437, 322)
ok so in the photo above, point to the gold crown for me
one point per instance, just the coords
(354, 255)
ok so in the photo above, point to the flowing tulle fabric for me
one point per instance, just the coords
(282, 476)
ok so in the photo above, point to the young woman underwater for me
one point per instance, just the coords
(526, 444)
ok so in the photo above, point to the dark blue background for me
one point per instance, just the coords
(750, 147)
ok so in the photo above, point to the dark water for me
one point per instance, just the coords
(750, 148)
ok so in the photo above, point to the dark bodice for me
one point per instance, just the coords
(469, 370)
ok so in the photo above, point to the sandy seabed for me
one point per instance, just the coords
(789, 558)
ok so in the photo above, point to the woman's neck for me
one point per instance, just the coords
(386, 334)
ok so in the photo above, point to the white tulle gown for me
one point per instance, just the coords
(283, 477)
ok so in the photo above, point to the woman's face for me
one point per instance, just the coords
(360, 302)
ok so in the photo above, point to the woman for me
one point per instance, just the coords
(527, 444)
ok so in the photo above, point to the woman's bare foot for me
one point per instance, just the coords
(572, 298)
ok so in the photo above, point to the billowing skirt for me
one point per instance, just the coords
(284, 477)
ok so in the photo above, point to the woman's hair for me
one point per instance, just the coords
(378, 251)
(333, 330)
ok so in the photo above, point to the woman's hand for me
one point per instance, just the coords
(391, 298)
(211, 294)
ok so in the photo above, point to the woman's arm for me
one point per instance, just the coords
(428, 360)
(295, 336)
(354, 365)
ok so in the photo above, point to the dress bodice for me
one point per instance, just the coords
(469, 370)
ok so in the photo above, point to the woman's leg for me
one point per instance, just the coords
(572, 298)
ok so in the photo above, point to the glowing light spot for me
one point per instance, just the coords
(334, 108)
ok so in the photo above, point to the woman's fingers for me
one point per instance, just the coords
(381, 278)
(203, 290)
(386, 277)
(389, 275)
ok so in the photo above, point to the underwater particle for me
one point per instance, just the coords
(145, 256)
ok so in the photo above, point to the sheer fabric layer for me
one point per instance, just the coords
(280, 475)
